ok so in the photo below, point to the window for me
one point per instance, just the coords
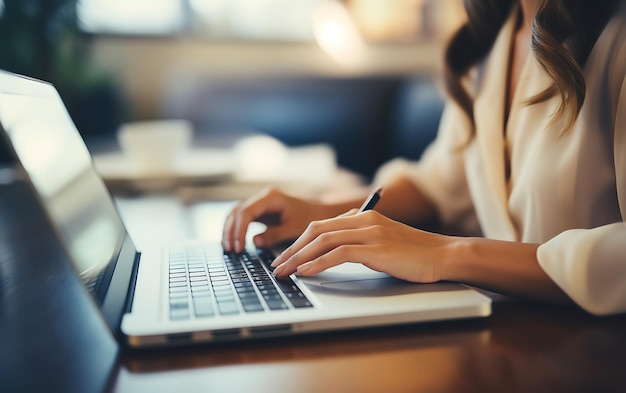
(274, 20)
(136, 17)
(278, 20)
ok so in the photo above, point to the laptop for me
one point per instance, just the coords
(192, 292)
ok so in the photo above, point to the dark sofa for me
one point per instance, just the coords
(367, 120)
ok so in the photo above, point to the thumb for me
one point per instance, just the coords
(272, 236)
(350, 212)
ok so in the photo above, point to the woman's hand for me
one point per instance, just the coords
(286, 218)
(369, 238)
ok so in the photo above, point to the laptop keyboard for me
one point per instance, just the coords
(207, 282)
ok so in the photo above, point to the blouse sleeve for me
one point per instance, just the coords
(440, 173)
(590, 264)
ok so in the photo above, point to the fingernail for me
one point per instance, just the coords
(226, 245)
(303, 269)
(278, 270)
(237, 245)
(259, 242)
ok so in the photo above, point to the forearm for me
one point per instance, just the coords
(505, 267)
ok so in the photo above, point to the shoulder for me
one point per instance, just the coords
(608, 57)
(605, 70)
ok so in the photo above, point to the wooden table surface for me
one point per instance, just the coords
(53, 340)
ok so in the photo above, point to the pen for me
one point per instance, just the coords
(371, 200)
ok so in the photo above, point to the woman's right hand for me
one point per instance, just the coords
(286, 218)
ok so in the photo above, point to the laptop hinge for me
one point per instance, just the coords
(133, 284)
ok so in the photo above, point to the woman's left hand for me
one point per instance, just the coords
(372, 239)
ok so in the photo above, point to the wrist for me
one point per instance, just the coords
(501, 266)
(459, 261)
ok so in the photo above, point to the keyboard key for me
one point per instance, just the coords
(178, 294)
(298, 300)
(228, 308)
(287, 285)
(243, 296)
(210, 281)
(253, 307)
(200, 289)
(271, 298)
(203, 307)
(179, 302)
(277, 305)
(271, 291)
(179, 313)
(215, 266)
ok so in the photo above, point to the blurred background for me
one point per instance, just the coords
(358, 75)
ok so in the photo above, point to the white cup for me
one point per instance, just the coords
(155, 146)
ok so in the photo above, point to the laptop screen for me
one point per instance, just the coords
(59, 167)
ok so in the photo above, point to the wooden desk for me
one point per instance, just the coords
(51, 339)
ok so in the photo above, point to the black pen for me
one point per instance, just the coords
(371, 200)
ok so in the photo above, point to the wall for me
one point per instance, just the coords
(145, 66)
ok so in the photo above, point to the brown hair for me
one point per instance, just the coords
(564, 32)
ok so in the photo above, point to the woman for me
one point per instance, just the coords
(531, 150)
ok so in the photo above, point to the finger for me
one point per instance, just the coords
(272, 236)
(257, 206)
(270, 219)
(323, 244)
(241, 222)
(353, 253)
(350, 212)
(305, 238)
(316, 228)
(227, 232)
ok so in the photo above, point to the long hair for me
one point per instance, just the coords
(563, 35)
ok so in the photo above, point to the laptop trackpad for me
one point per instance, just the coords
(357, 280)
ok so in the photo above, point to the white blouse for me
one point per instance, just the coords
(566, 192)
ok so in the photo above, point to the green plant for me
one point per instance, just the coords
(40, 39)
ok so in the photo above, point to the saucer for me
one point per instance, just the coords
(198, 166)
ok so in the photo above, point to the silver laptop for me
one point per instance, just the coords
(193, 292)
